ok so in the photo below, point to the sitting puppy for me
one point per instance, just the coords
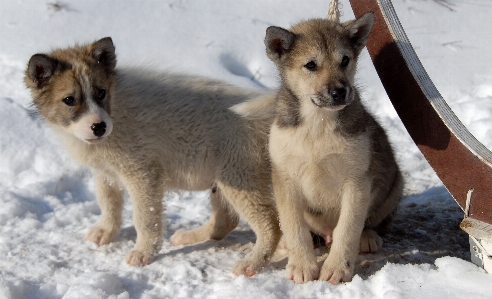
(150, 132)
(334, 171)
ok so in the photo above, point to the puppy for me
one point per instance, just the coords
(334, 172)
(150, 132)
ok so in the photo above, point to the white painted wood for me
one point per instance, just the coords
(478, 229)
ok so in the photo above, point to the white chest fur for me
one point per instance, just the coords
(318, 158)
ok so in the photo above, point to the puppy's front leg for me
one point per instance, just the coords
(110, 199)
(340, 264)
(302, 266)
(146, 192)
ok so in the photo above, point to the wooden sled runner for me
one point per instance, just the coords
(462, 163)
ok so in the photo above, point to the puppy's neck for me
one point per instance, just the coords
(294, 113)
(288, 108)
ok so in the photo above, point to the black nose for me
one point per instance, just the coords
(338, 95)
(99, 129)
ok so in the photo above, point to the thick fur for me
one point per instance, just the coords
(161, 132)
(334, 171)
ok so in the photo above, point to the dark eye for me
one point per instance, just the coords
(311, 66)
(70, 101)
(101, 93)
(345, 61)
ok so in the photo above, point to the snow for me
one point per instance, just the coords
(47, 201)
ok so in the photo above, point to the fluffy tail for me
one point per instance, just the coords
(262, 107)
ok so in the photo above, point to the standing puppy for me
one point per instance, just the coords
(334, 172)
(150, 132)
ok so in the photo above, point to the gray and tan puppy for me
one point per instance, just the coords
(334, 172)
(150, 132)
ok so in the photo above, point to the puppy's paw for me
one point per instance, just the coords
(302, 272)
(247, 267)
(100, 236)
(184, 237)
(370, 241)
(335, 276)
(138, 258)
(336, 272)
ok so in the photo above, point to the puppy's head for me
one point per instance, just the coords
(72, 88)
(317, 58)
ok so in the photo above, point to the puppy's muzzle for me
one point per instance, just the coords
(339, 96)
(99, 129)
(333, 99)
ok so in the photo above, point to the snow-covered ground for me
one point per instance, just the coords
(47, 202)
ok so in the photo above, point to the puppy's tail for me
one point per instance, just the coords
(261, 107)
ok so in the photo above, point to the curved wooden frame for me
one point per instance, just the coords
(462, 163)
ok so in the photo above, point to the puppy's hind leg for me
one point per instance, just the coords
(370, 241)
(110, 199)
(222, 221)
(257, 208)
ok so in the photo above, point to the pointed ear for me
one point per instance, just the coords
(104, 52)
(40, 69)
(278, 41)
(360, 29)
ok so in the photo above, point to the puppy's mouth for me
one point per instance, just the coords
(326, 104)
(91, 128)
(96, 140)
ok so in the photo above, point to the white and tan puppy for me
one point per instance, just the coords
(334, 172)
(150, 132)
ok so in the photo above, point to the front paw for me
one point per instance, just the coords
(100, 236)
(138, 258)
(337, 271)
(302, 271)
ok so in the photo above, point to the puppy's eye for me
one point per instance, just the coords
(311, 66)
(69, 101)
(345, 61)
(101, 94)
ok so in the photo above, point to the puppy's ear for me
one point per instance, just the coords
(278, 41)
(40, 69)
(103, 52)
(360, 29)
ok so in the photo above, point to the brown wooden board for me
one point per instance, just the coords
(461, 162)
